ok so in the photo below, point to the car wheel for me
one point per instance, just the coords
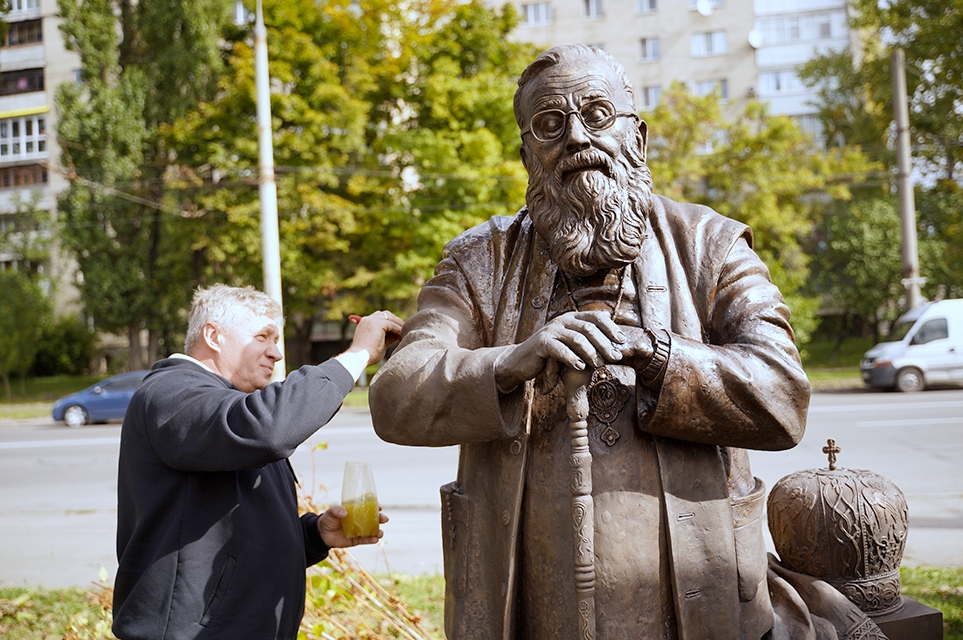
(75, 416)
(910, 380)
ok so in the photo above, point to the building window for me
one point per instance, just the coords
(795, 28)
(21, 81)
(593, 9)
(536, 13)
(650, 97)
(649, 49)
(783, 81)
(23, 138)
(24, 5)
(23, 176)
(710, 43)
(707, 87)
(645, 6)
(26, 32)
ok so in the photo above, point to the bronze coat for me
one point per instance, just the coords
(733, 381)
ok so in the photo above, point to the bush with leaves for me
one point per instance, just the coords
(66, 347)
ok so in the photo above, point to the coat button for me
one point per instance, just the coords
(539, 301)
(516, 447)
(506, 518)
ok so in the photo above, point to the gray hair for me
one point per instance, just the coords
(567, 53)
(220, 305)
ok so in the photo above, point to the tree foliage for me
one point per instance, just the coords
(393, 132)
(136, 75)
(22, 310)
(759, 169)
(855, 102)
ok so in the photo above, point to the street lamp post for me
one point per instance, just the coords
(267, 187)
(907, 204)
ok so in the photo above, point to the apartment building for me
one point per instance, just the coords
(33, 62)
(743, 49)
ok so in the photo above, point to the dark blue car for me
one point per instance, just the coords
(106, 400)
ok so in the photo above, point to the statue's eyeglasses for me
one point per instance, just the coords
(549, 125)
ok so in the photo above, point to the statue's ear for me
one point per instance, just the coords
(523, 152)
(644, 135)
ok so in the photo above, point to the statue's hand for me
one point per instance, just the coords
(576, 339)
(638, 347)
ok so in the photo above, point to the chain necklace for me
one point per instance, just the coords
(618, 298)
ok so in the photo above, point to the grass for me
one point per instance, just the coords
(940, 588)
(839, 372)
(38, 614)
(818, 353)
(75, 614)
(38, 390)
(425, 595)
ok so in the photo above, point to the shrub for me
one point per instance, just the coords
(66, 348)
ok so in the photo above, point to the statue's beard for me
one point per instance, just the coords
(593, 219)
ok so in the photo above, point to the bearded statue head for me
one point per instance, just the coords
(583, 145)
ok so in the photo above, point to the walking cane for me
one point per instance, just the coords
(583, 509)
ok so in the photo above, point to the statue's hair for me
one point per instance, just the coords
(562, 53)
(220, 304)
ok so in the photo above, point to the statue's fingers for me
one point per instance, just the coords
(551, 374)
(589, 345)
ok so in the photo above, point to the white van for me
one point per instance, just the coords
(925, 347)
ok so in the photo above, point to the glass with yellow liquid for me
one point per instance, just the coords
(359, 497)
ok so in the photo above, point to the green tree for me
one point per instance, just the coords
(114, 213)
(855, 102)
(22, 311)
(855, 86)
(65, 346)
(393, 131)
(26, 235)
(760, 169)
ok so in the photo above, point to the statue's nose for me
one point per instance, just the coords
(576, 135)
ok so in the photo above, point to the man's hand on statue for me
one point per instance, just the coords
(330, 528)
(576, 339)
(638, 348)
(376, 333)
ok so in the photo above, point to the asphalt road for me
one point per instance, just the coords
(58, 505)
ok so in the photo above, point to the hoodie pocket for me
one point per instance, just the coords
(218, 592)
(456, 523)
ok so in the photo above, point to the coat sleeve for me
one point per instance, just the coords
(206, 425)
(742, 385)
(315, 549)
(438, 387)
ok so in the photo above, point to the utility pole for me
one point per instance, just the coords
(907, 203)
(267, 187)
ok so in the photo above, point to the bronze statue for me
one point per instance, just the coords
(604, 358)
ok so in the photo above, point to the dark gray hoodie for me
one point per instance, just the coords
(209, 541)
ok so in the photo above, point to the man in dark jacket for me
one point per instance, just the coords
(209, 541)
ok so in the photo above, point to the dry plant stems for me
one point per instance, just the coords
(345, 602)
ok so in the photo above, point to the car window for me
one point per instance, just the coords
(935, 329)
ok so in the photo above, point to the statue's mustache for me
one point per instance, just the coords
(581, 161)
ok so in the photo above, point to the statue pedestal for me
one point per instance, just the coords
(915, 621)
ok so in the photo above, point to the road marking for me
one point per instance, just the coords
(908, 422)
(45, 444)
(923, 404)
